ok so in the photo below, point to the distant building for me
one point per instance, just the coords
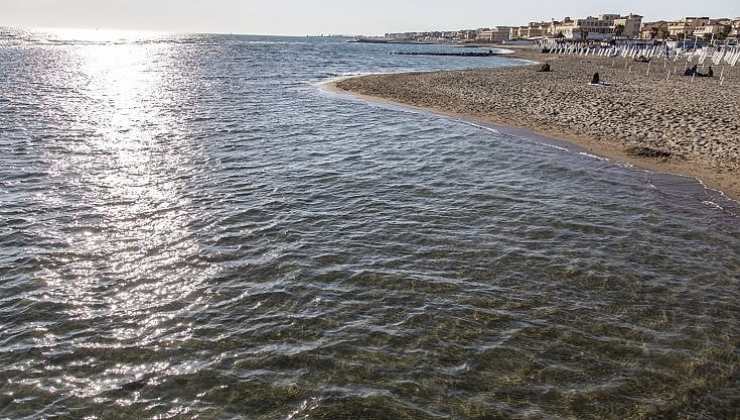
(496, 34)
(703, 27)
(564, 28)
(517, 32)
(449, 35)
(531, 31)
(467, 35)
(654, 30)
(605, 27)
(598, 28)
(628, 26)
(432, 36)
(735, 31)
(685, 28)
(712, 30)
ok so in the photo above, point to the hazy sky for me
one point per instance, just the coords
(301, 17)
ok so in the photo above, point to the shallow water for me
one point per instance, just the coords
(190, 227)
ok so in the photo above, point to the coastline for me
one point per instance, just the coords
(405, 90)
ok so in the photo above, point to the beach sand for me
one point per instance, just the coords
(671, 124)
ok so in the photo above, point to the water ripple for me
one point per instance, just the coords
(189, 228)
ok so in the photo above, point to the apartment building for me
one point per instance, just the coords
(532, 30)
(712, 30)
(654, 30)
(518, 32)
(467, 35)
(604, 27)
(628, 26)
(496, 34)
(687, 26)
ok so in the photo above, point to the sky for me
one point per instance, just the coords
(304, 17)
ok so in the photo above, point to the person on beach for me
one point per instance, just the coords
(642, 59)
(596, 80)
(545, 68)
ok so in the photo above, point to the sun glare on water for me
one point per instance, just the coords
(119, 117)
(99, 35)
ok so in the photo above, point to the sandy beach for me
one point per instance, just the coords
(644, 116)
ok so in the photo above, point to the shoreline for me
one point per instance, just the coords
(723, 180)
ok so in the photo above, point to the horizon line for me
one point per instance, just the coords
(219, 32)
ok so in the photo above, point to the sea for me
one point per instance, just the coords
(193, 226)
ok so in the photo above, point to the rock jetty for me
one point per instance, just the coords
(489, 53)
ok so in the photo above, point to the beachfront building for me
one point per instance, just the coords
(449, 35)
(517, 32)
(606, 27)
(501, 33)
(432, 36)
(533, 30)
(703, 27)
(539, 29)
(597, 28)
(496, 34)
(735, 29)
(567, 28)
(628, 26)
(654, 30)
(714, 29)
(483, 35)
(467, 35)
(685, 27)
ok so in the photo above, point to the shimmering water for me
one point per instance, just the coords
(190, 227)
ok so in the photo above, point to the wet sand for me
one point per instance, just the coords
(672, 124)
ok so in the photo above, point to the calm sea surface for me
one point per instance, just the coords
(191, 228)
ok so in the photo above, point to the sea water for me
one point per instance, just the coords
(191, 227)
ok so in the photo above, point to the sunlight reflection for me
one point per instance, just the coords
(100, 35)
(127, 260)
